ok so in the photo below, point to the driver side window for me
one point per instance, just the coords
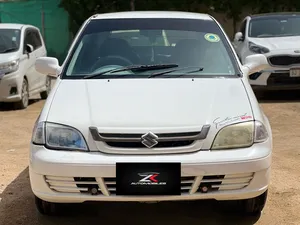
(29, 39)
(86, 54)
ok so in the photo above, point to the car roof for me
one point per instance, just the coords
(152, 14)
(274, 14)
(14, 26)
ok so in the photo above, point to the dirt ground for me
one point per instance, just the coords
(283, 206)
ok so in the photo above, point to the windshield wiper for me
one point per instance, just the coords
(170, 71)
(134, 68)
(8, 50)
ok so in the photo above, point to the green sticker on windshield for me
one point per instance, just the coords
(212, 37)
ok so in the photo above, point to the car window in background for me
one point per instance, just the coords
(126, 42)
(37, 39)
(274, 26)
(33, 38)
(9, 40)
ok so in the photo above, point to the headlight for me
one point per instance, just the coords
(257, 48)
(58, 137)
(9, 67)
(240, 135)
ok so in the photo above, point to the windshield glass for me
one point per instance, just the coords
(9, 40)
(275, 26)
(109, 44)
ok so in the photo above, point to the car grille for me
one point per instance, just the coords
(282, 78)
(149, 143)
(284, 60)
(165, 140)
(189, 184)
(165, 144)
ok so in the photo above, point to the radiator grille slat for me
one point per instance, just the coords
(68, 189)
(72, 184)
(225, 182)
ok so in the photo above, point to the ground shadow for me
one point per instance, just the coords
(10, 106)
(278, 96)
(17, 207)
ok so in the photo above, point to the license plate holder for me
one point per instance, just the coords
(295, 72)
(148, 179)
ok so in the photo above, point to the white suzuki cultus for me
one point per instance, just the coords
(149, 107)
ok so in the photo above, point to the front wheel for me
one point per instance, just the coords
(23, 103)
(45, 94)
(252, 206)
(46, 208)
(255, 205)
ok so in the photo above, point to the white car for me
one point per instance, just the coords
(277, 36)
(180, 124)
(20, 46)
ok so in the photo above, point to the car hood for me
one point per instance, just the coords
(123, 105)
(6, 57)
(278, 43)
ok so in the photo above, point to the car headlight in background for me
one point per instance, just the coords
(58, 137)
(257, 48)
(9, 67)
(240, 135)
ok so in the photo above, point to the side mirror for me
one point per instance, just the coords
(47, 66)
(29, 48)
(239, 36)
(255, 63)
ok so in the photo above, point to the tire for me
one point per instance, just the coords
(46, 208)
(45, 94)
(255, 205)
(247, 207)
(23, 103)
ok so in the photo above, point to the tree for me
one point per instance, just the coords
(232, 9)
(80, 10)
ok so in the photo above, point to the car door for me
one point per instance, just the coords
(241, 44)
(29, 60)
(40, 51)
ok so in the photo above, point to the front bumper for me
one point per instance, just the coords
(274, 80)
(277, 77)
(54, 175)
(10, 87)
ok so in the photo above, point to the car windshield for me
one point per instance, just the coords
(9, 40)
(195, 47)
(275, 26)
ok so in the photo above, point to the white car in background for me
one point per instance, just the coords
(180, 123)
(20, 46)
(277, 36)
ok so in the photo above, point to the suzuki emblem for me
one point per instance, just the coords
(149, 140)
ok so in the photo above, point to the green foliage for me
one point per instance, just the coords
(80, 10)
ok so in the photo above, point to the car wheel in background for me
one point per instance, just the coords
(45, 94)
(23, 103)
